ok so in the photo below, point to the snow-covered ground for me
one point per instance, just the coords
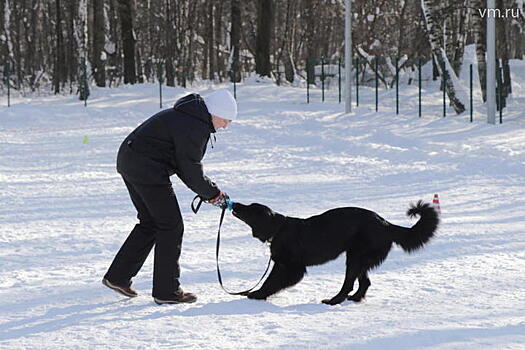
(64, 212)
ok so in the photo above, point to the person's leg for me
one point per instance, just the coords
(137, 246)
(163, 207)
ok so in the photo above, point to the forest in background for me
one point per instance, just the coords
(59, 44)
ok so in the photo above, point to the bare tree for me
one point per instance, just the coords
(180, 40)
(263, 65)
(128, 40)
(443, 64)
(99, 40)
(235, 41)
(478, 25)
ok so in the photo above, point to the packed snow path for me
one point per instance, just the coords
(64, 212)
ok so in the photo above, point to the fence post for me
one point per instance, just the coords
(308, 63)
(500, 95)
(377, 84)
(444, 80)
(7, 76)
(322, 78)
(471, 98)
(339, 72)
(160, 65)
(357, 81)
(86, 86)
(397, 85)
(234, 68)
(419, 80)
(160, 94)
(308, 80)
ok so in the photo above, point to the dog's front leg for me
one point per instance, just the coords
(282, 276)
(352, 266)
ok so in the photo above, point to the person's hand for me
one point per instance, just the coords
(219, 200)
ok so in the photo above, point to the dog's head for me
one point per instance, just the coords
(264, 222)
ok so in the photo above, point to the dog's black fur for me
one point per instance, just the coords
(362, 234)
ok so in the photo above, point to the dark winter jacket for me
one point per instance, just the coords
(172, 141)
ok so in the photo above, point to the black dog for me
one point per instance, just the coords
(362, 234)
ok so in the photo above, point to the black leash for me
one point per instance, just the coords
(195, 209)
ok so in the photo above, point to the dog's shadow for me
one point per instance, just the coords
(247, 307)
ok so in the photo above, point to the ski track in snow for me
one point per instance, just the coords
(64, 212)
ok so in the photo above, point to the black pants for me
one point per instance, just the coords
(160, 224)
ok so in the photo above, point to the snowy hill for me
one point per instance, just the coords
(64, 212)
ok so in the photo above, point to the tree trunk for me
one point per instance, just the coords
(209, 41)
(235, 41)
(479, 32)
(287, 43)
(263, 66)
(311, 51)
(459, 30)
(289, 67)
(113, 47)
(128, 40)
(32, 65)
(168, 55)
(434, 34)
(82, 45)
(71, 54)
(503, 53)
(3, 49)
(99, 40)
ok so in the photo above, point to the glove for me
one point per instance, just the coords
(219, 200)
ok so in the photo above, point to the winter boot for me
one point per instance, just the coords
(126, 291)
(177, 298)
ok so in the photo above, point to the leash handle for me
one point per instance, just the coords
(196, 208)
(228, 204)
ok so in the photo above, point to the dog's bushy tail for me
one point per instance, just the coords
(414, 238)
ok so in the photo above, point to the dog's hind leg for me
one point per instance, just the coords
(282, 276)
(364, 283)
(353, 268)
(371, 259)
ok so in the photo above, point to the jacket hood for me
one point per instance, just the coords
(194, 106)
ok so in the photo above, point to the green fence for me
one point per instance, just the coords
(377, 81)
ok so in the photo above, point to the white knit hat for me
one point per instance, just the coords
(222, 104)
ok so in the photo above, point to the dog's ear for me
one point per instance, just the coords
(268, 227)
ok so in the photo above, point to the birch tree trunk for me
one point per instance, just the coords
(479, 33)
(435, 34)
(7, 31)
(81, 37)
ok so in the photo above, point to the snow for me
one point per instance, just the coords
(64, 212)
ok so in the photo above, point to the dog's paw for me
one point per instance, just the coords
(333, 301)
(258, 295)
